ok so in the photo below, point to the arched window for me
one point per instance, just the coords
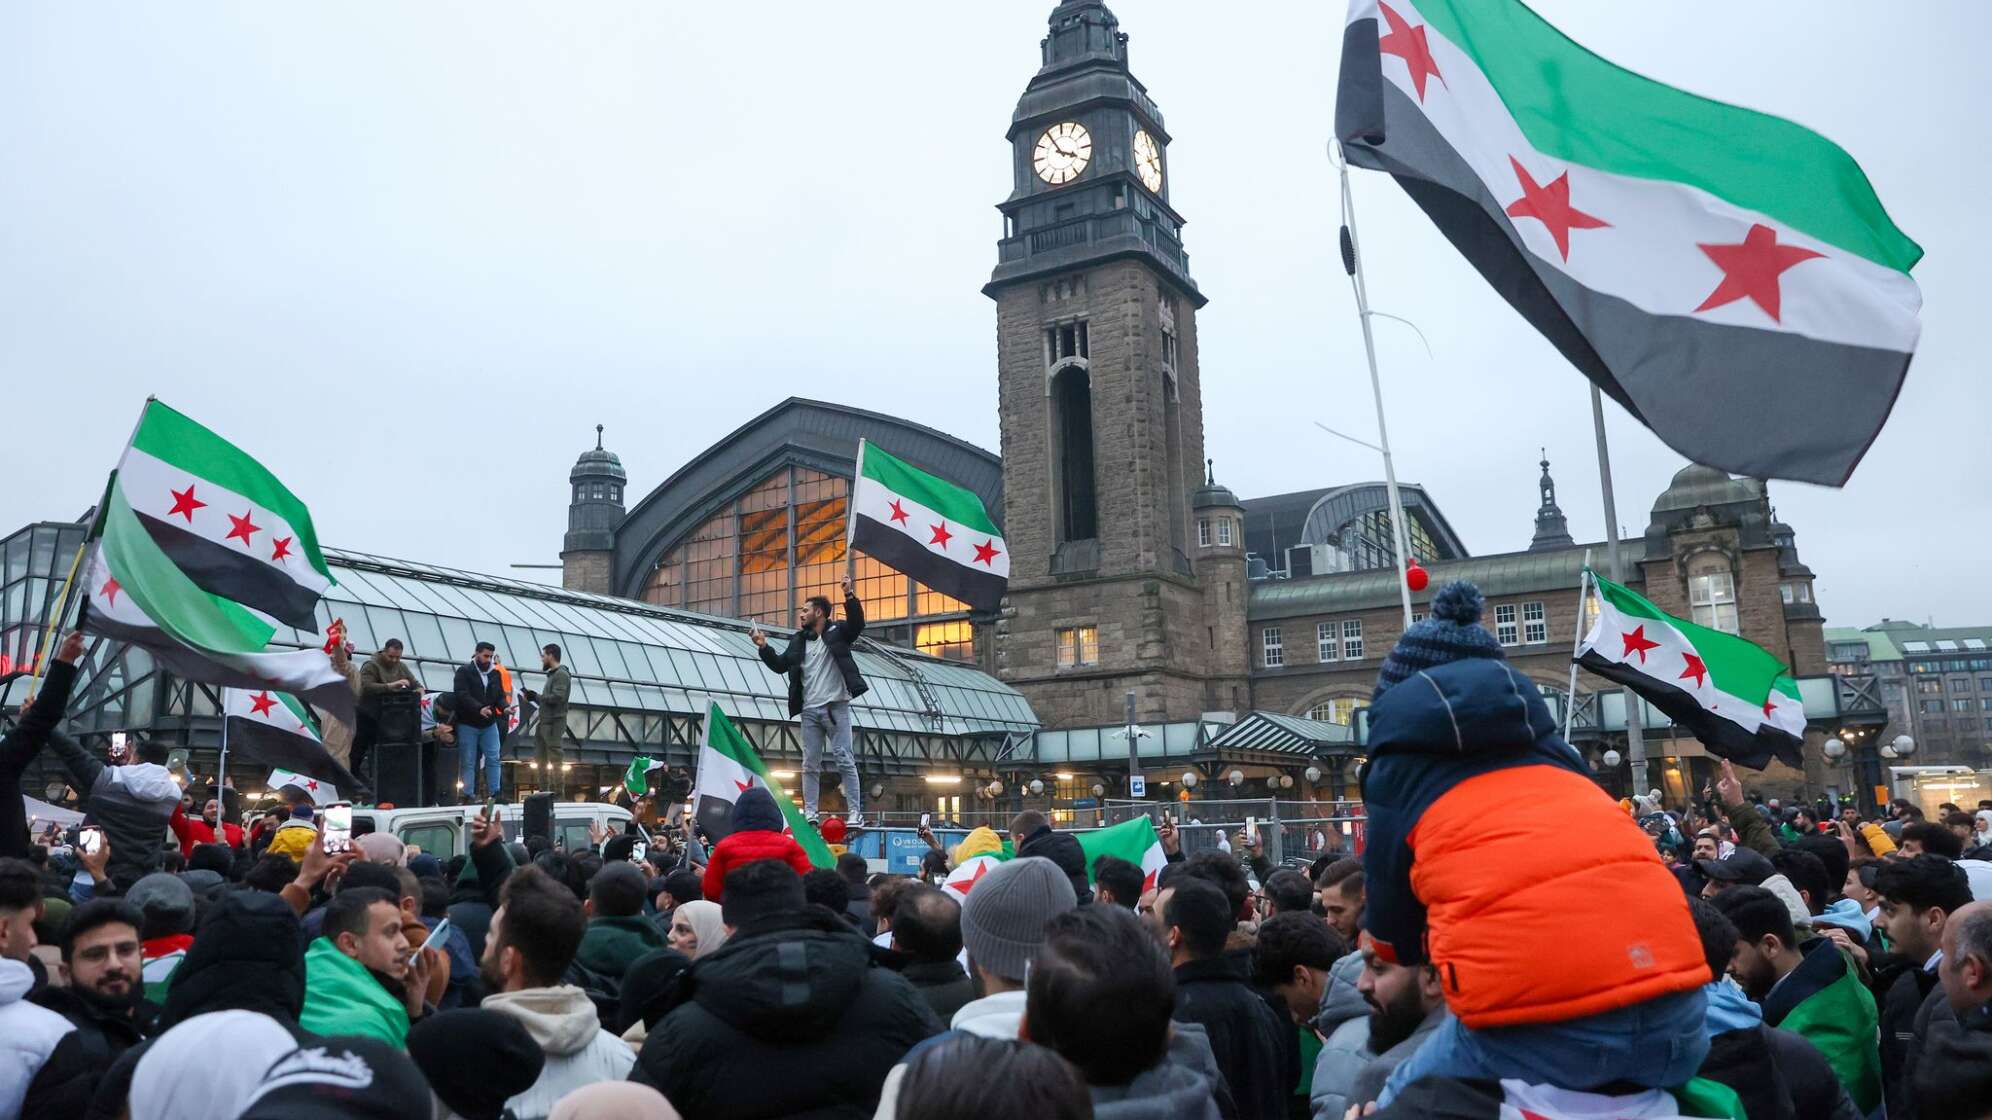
(1339, 710)
(1072, 421)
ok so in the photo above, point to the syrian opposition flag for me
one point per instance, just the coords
(1729, 277)
(637, 779)
(729, 767)
(1732, 693)
(929, 528)
(322, 793)
(274, 729)
(1131, 840)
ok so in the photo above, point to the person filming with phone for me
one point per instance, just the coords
(823, 680)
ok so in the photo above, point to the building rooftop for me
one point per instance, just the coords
(1510, 573)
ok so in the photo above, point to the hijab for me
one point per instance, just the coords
(704, 918)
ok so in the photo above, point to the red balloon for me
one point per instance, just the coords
(832, 829)
(1416, 577)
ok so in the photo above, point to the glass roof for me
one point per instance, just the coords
(630, 655)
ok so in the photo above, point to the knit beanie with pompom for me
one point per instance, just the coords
(1452, 632)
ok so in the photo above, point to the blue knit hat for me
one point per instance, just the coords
(1452, 633)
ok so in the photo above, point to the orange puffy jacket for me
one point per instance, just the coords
(1493, 855)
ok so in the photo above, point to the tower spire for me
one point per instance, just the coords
(1552, 530)
(598, 437)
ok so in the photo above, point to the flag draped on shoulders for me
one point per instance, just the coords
(1730, 277)
(198, 553)
(728, 767)
(929, 528)
(1734, 695)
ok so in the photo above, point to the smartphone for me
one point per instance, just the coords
(1251, 830)
(434, 940)
(339, 827)
(90, 839)
(637, 851)
(926, 819)
(120, 748)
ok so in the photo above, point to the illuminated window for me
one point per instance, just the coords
(1712, 596)
(1078, 647)
(1341, 710)
(953, 640)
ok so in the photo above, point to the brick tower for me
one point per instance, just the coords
(1102, 410)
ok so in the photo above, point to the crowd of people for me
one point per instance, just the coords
(1511, 941)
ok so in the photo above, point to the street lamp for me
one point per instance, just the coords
(1612, 758)
(1189, 779)
(1904, 746)
(1236, 777)
(1314, 773)
(996, 787)
(1834, 750)
(1037, 786)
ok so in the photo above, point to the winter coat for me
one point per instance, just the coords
(1450, 748)
(293, 838)
(578, 1051)
(1249, 1041)
(1348, 1072)
(28, 1035)
(1340, 1001)
(475, 895)
(993, 1016)
(838, 637)
(1776, 1074)
(474, 691)
(249, 957)
(68, 1079)
(757, 834)
(943, 984)
(1964, 1043)
(19, 747)
(194, 831)
(1061, 848)
(798, 995)
(1900, 997)
(1184, 1085)
(551, 723)
(342, 996)
(1458, 1098)
(131, 803)
(611, 945)
(1823, 1000)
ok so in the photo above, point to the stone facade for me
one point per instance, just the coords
(589, 571)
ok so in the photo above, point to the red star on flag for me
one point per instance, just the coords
(1550, 205)
(1752, 269)
(1769, 706)
(311, 784)
(1148, 882)
(986, 553)
(428, 701)
(280, 548)
(941, 535)
(898, 511)
(1695, 669)
(110, 590)
(1637, 642)
(967, 885)
(1409, 43)
(184, 503)
(744, 786)
(243, 527)
(261, 703)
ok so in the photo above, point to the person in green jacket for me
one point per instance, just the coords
(1808, 989)
(357, 976)
(552, 721)
(618, 933)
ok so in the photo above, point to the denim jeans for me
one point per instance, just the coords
(834, 722)
(473, 744)
(1658, 1044)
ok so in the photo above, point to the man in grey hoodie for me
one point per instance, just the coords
(1406, 1004)
(133, 803)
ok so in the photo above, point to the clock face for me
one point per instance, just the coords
(1063, 152)
(1148, 160)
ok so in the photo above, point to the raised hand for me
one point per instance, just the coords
(1729, 787)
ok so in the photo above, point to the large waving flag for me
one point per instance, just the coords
(1732, 693)
(929, 528)
(1132, 840)
(274, 729)
(207, 616)
(1731, 278)
(728, 767)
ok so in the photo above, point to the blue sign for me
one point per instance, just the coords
(1137, 786)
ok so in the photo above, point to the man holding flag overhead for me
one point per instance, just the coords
(823, 680)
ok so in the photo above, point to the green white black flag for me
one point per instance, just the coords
(929, 528)
(728, 767)
(274, 729)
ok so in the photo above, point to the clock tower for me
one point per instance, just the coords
(1102, 409)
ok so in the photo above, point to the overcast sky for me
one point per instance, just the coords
(410, 254)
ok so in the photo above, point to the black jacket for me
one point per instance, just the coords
(799, 994)
(1061, 848)
(942, 984)
(838, 638)
(1249, 1041)
(69, 1078)
(1900, 1000)
(473, 692)
(1778, 1075)
(19, 748)
(1954, 1075)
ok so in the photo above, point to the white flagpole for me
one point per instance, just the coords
(1576, 646)
(1635, 743)
(1352, 263)
(221, 767)
(851, 514)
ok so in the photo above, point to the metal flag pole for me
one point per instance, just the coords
(1576, 645)
(221, 767)
(1635, 743)
(1352, 263)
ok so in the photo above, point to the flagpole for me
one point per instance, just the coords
(1576, 645)
(851, 516)
(221, 765)
(55, 618)
(1352, 263)
(1635, 743)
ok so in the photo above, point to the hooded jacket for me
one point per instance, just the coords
(342, 996)
(249, 957)
(801, 994)
(1447, 746)
(578, 1051)
(1349, 1072)
(1182, 1086)
(1061, 848)
(757, 834)
(28, 1035)
(133, 804)
(68, 1079)
(1340, 1001)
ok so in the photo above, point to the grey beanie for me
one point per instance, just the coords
(166, 895)
(1003, 917)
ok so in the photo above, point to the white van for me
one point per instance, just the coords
(443, 830)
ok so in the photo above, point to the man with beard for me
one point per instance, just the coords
(1810, 990)
(105, 1000)
(1406, 1004)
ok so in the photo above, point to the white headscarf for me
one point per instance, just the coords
(704, 918)
(207, 1067)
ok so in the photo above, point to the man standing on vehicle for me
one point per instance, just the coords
(823, 680)
(552, 721)
(480, 705)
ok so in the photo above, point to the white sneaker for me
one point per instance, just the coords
(810, 816)
(855, 820)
